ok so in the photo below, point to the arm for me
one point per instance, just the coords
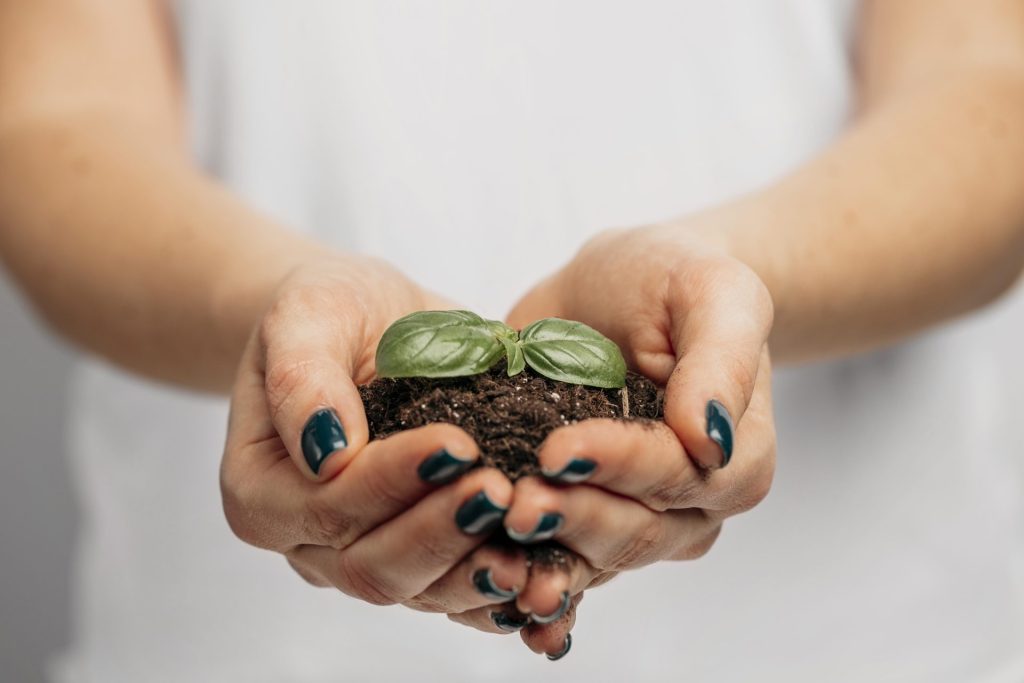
(913, 216)
(129, 250)
(916, 214)
(120, 242)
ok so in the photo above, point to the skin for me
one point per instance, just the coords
(130, 251)
(847, 263)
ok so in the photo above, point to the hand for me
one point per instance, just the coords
(375, 520)
(695, 320)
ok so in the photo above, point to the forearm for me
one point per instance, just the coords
(913, 216)
(127, 250)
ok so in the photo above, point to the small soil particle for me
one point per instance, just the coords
(509, 417)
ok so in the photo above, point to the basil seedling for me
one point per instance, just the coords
(460, 343)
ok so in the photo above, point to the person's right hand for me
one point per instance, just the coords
(390, 521)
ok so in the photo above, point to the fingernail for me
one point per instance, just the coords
(479, 514)
(575, 471)
(441, 467)
(322, 436)
(548, 525)
(509, 623)
(483, 580)
(565, 649)
(558, 613)
(720, 429)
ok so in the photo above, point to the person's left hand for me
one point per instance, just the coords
(696, 321)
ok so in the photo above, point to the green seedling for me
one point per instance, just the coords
(460, 343)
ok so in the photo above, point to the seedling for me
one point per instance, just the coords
(460, 343)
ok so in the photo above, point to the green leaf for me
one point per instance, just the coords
(502, 331)
(438, 344)
(569, 351)
(514, 354)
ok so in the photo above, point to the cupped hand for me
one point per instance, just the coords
(696, 321)
(388, 521)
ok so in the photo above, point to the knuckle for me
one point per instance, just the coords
(285, 378)
(289, 304)
(382, 487)
(330, 525)
(687, 283)
(641, 548)
(740, 373)
(671, 491)
(473, 621)
(762, 304)
(700, 548)
(308, 575)
(711, 276)
(303, 297)
(755, 491)
(269, 325)
(237, 498)
(432, 551)
(427, 603)
(360, 582)
(599, 580)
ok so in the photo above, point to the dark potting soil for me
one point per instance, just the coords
(509, 417)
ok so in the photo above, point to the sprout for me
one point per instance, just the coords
(460, 343)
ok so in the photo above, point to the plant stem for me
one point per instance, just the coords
(624, 392)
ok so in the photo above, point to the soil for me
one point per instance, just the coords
(509, 417)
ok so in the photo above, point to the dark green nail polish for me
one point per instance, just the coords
(441, 467)
(479, 514)
(575, 471)
(558, 613)
(550, 523)
(565, 649)
(322, 436)
(720, 428)
(509, 623)
(483, 581)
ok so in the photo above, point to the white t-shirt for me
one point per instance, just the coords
(476, 144)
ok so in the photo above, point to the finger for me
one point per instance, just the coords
(502, 620)
(609, 531)
(386, 479)
(553, 640)
(746, 482)
(644, 461)
(554, 578)
(491, 575)
(400, 558)
(307, 362)
(545, 600)
(720, 319)
(497, 620)
(309, 574)
(278, 508)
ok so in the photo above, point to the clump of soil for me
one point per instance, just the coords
(509, 417)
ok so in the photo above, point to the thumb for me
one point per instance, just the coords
(720, 323)
(308, 361)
